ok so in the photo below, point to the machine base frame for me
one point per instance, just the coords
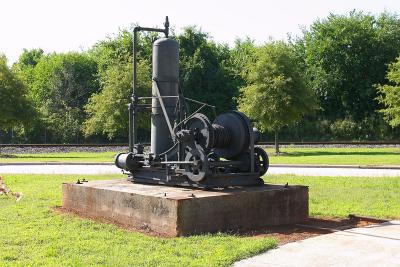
(160, 176)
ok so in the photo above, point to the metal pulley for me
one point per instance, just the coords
(202, 130)
(199, 169)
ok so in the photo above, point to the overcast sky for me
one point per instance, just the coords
(71, 25)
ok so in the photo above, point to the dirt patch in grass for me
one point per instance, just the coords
(313, 227)
(283, 234)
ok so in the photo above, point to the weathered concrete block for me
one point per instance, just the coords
(174, 211)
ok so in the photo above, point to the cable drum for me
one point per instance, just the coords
(235, 138)
(228, 136)
(222, 136)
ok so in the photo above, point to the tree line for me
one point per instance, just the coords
(339, 80)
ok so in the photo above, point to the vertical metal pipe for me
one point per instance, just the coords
(132, 106)
(166, 27)
(134, 98)
(130, 110)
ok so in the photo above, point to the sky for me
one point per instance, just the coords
(75, 25)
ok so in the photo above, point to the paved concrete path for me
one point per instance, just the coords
(377, 245)
(344, 171)
(111, 169)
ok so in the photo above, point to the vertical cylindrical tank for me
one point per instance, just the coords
(166, 73)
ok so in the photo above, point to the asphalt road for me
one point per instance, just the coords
(110, 169)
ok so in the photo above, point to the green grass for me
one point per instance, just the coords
(339, 196)
(31, 234)
(339, 156)
(61, 157)
(328, 156)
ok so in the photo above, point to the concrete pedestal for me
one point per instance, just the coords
(173, 211)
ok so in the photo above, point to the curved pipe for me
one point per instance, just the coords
(134, 97)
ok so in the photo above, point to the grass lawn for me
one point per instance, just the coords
(341, 156)
(32, 234)
(61, 157)
(340, 196)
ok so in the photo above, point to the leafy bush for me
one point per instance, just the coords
(345, 129)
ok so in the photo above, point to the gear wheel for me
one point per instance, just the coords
(202, 128)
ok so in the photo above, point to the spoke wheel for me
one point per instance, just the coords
(262, 160)
(199, 169)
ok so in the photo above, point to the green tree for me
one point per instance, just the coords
(25, 69)
(390, 95)
(242, 55)
(26, 63)
(30, 57)
(118, 50)
(107, 110)
(345, 56)
(205, 70)
(61, 88)
(15, 107)
(276, 94)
